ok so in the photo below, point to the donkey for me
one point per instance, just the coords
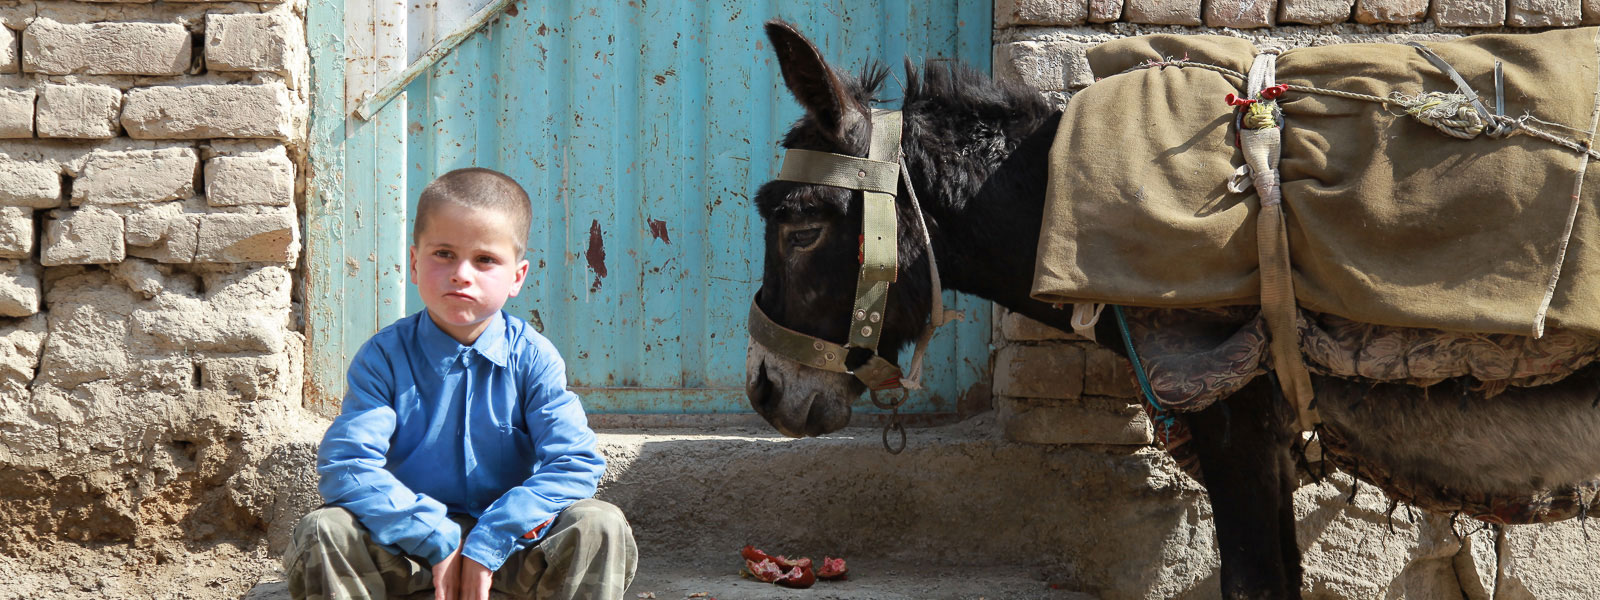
(975, 153)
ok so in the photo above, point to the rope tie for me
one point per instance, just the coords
(1450, 113)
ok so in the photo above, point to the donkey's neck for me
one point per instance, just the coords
(986, 237)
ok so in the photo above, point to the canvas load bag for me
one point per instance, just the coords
(1389, 219)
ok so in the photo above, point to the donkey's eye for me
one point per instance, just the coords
(804, 239)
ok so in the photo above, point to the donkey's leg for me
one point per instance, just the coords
(1244, 445)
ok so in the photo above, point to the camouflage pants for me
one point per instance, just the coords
(589, 552)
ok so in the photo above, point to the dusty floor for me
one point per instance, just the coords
(163, 571)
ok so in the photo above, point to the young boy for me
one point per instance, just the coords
(460, 461)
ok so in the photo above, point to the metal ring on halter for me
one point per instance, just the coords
(891, 405)
(894, 426)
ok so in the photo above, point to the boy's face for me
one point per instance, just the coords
(465, 266)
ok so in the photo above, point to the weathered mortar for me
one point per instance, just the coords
(151, 352)
(1052, 387)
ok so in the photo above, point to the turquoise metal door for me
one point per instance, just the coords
(640, 130)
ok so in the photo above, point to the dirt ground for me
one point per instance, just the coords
(163, 570)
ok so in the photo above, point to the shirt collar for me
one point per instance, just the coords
(442, 350)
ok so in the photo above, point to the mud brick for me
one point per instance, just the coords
(1053, 371)
(80, 237)
(134, 176)
(1315, 12)
(54, 48)
(1391, 11)
(1240, 14)
(1162, 12)
(78, 111)
(249, 180)
(207, 111)
(1011, 13)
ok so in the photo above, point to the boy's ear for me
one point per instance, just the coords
(521, 277)
(411, 263)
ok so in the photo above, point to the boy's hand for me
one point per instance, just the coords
(447, 576)
(475, 580)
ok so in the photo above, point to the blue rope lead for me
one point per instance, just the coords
(1165, 419)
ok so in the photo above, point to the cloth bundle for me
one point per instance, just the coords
(1390, 221)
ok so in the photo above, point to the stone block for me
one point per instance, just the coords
(210, 331)
(1018, 328)
(162, 237)
(1044, 65)
(248, 379)
(1105, 373)
(1012, 13)
(1085, 421)
(1590, 12)
(19, 288)
(1544, 13)
(78, 111)
(1470, 13)
(1162, 12)
(1240, 14)
(21, 343)
(249, 42)
(1315, 12)
(1391, 11)
(81, 237)
(1046, 371)
(114, 48)
(30, 184)
(135, 176)
(250, 180)
(236, 238)
(16, 232)
(1104, 11)
(207, 111)
(8, 51)
(16, 113)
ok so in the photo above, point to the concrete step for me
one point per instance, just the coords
(662, 580)
(962, 513)
(1106, 521)
(868, 581)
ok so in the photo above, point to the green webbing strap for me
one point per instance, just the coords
(810, 351)
(838, 170)
(879, 256)
(877, 373)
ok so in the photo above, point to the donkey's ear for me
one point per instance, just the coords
(813, 83)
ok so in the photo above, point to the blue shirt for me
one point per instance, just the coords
(431, 427)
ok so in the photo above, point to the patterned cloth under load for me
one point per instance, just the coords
(1196, 356)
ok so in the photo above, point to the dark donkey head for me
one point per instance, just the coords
(952, 141)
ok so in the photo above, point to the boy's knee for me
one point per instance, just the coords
(597, 516)
(328, 526)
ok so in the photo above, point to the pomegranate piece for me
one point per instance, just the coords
(763, 570)
(782, 570)
(832, 569)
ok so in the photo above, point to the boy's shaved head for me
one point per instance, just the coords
(482, 189)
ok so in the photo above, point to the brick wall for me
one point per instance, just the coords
(150, 345)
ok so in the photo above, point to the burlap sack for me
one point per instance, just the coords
(1389, 220)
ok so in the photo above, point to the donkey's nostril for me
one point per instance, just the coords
(759, 390)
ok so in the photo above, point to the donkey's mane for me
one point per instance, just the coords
(959, 123)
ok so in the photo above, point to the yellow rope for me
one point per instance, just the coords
(1259, 115)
